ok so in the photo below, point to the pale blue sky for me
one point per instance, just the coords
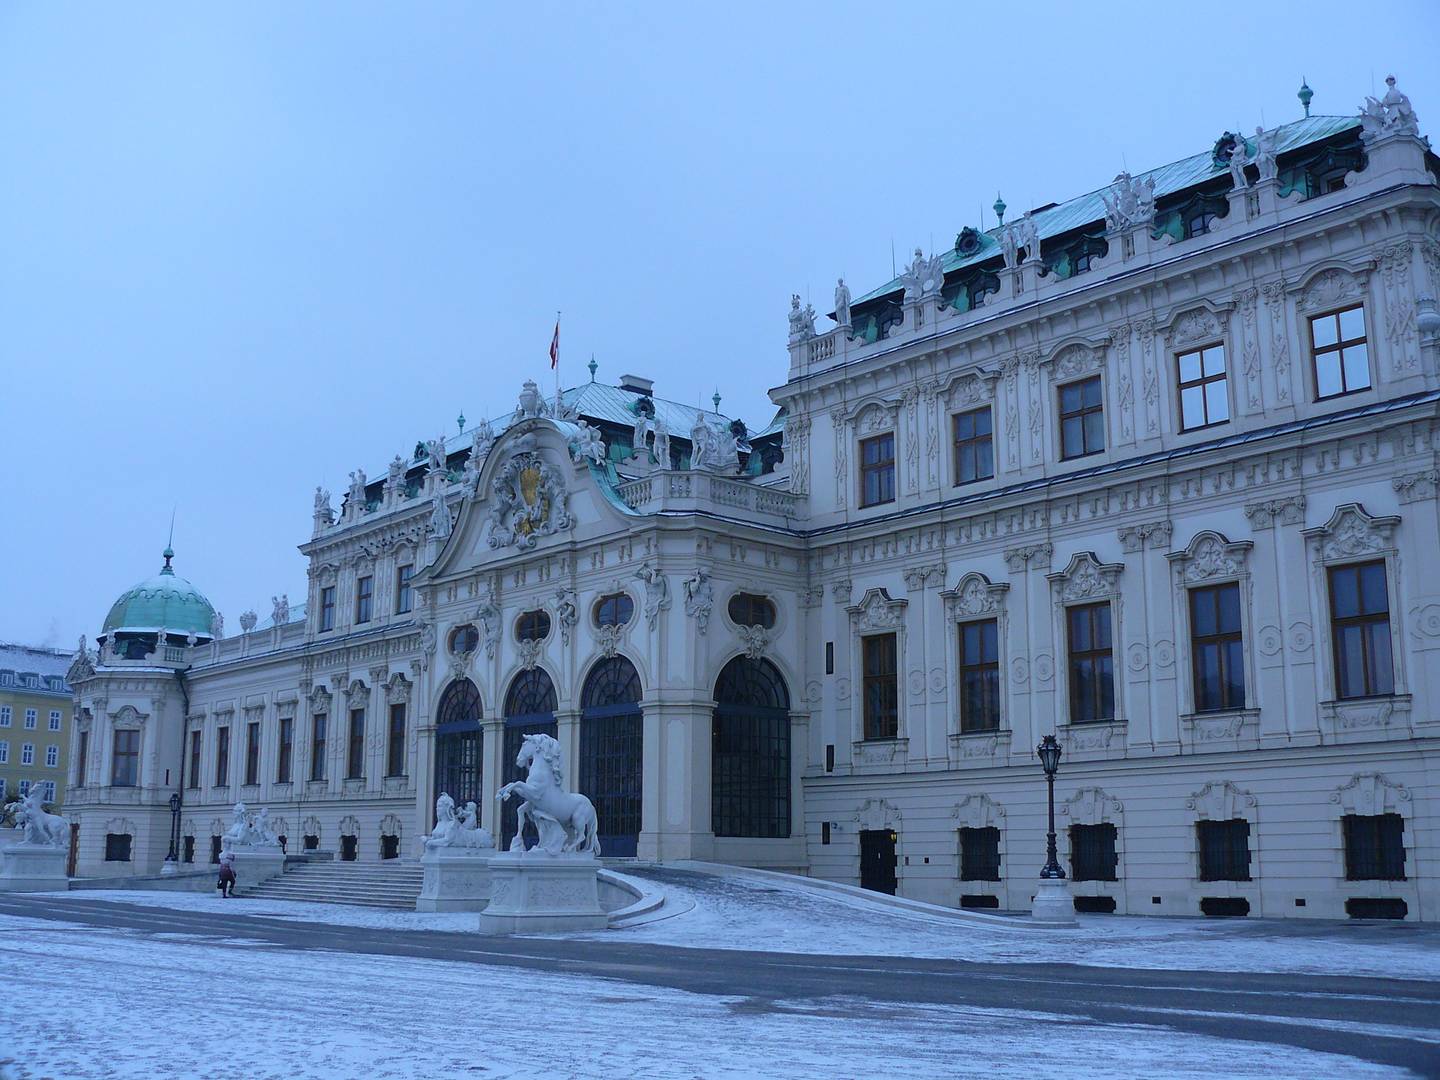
(246, 248)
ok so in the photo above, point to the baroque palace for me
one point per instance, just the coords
(1152, 470)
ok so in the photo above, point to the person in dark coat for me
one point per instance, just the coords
(226, 884)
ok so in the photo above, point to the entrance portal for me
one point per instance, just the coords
(611, 753)
(459, 745)
(877, 860)
(529, 710)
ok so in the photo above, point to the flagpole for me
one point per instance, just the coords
(557, 364)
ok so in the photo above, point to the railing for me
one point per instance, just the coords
(704, 491)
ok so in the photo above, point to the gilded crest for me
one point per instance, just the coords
(529, 501)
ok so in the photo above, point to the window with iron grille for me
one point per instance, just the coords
(1092, 663)
(974, 446)
(117, 847)
(287, 750)
(1360, 630)
(318, 725)
(1339, 353)
(404, 595)
(395, 744)
(1218, 647)
(389, 847)
(880, 675)
(877, 470)
(979, 676)
(1092, 852)
(1224, 850)
(327, 608)
(125, 766)
(1082, 418)
(748, 609)
(1374, 847)
(187, 849)
(750, 751)
(980, 854)
(355, 750)
(364, 599)
(1203, 388)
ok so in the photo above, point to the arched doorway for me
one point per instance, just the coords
(529, 710)
(611, 746)
(459, 745)
(750, 751)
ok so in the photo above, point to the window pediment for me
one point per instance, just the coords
(1352, 532)
(877, 610)
(975, 595)
(1210, 555)
(1221, 802)
(1194, 326)
(1370, 793)
(1092, 806)
(1086, 578)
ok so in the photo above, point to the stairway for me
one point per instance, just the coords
(388, 884)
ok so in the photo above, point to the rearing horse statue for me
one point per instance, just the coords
(566, 820)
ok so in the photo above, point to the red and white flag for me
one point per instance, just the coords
(555, 347)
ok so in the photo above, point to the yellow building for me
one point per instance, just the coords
(35, 712)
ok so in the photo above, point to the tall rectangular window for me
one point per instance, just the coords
(52, 757)
(4, 752)
(1339, 353)
(1219, 653)
(195, 759)
(1092, 663)
(318, 724)
(287, 750)
(355, 750)
(31, 719)
(877, 470)
(27, 753)
(1092, 853)
(54, 719)
(1374, 847)
(125, 764)
(1204, 390)
(364, 598)
(222, 756)
(980, 854)
(5, 714)
(1360, 629)
(1082, 418)
(1224, 849)
(395, 743)
(327, 608)
(82, 754)
(979, 676)
(881, 687)
(404, 599)
(974, 446)
(252, 753)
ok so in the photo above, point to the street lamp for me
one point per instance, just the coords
(1052, 903)
(172, 860)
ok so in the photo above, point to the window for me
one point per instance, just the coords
(980, 854)
(82, 754)
(24, 788)
(222, 756)
(188, 849)
(1092, 664)
(310, 842)
(355, 753)
(287, 750)
(1219, 648)
(125, 765)
(389, 847)
(1339, 353)
(1360, 627)
(1224, 850)
(31, 719)
(1374, 847)
(4, 753)
(54, 719)
(215, 843)
(117, 847)
(614, 610)
(318, 723)
(1082, 418)
(52, 757)
(49, 786)
(532, 626)
(252, 753)
(5, 715)
(464, 639)
(349, 848)
(749, 609)
(974, 446)
(877, 470)
(979, 676)
(404, 598)
(882, 715)
(364, 598)
(750, 751)
(327, 608)
(1092, 853)
(1199, 223)
(395, 746)
(27, 753)
(195, 759)
(1204, 394)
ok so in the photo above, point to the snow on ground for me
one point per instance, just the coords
(774, 915)
(132, 1005)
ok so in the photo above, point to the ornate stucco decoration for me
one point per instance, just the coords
(1196, 326)
(1370, 793)
(754, 640)
(877, 610)
(978, 812)
(530, 651)
(1076, 360)
(1092, 806)
(1087, 578)
(974, 596)
(1210, 555)
(1330, 288)
(1155, 534)
(1221, 802)
(1352, 532)
(657, 592)
(397, 690)
(1129, 203)
(567, 613)
(488, 617)
(1285, 511)
(877, 814)
(699, 598)
(529, 499)
(1411, 487)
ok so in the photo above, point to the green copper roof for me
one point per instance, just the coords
(165, 600)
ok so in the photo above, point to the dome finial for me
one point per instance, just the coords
(999, 209)
(1305, 94)
(169, 552)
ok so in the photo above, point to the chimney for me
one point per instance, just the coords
(638, 385)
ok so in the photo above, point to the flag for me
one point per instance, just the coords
(555, 347)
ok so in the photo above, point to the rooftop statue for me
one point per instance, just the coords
(82, 665)
(842, 302)
(531, 403)
(1130, 202)
(1010, 245)
(481, 439)
(661, 449)
(41, 828)
(217, 626)
(924, 277)
(1390, 115)
(1265, 153)
(280, 609)
(397, 471)
(565, 820)
(1027, 235)
(248, 619)
(439, 516)
(1239, 158)
(356, 498)
(322, 500)
(588, 445)
(435, 455)
(802, 320)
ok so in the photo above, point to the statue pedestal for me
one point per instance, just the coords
(33, 868)
(456, 879)
(531, 892)
(256, 864)
(1053, 904)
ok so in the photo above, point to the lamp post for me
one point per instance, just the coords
(1052, 903)
(172, 860)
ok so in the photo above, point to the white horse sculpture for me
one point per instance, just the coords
(566, 820)
(40, 827)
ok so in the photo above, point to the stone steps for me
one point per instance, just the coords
(388, 886)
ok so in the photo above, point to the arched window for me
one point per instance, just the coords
(612, 752)
(750, 751)
(529, 710)
(459, 746)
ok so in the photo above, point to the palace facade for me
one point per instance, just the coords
(1152, 470)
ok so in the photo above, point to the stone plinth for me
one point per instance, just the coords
(33, 868)
(531, 892)
(456, 879)
(1053, 904)
(256, 864)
